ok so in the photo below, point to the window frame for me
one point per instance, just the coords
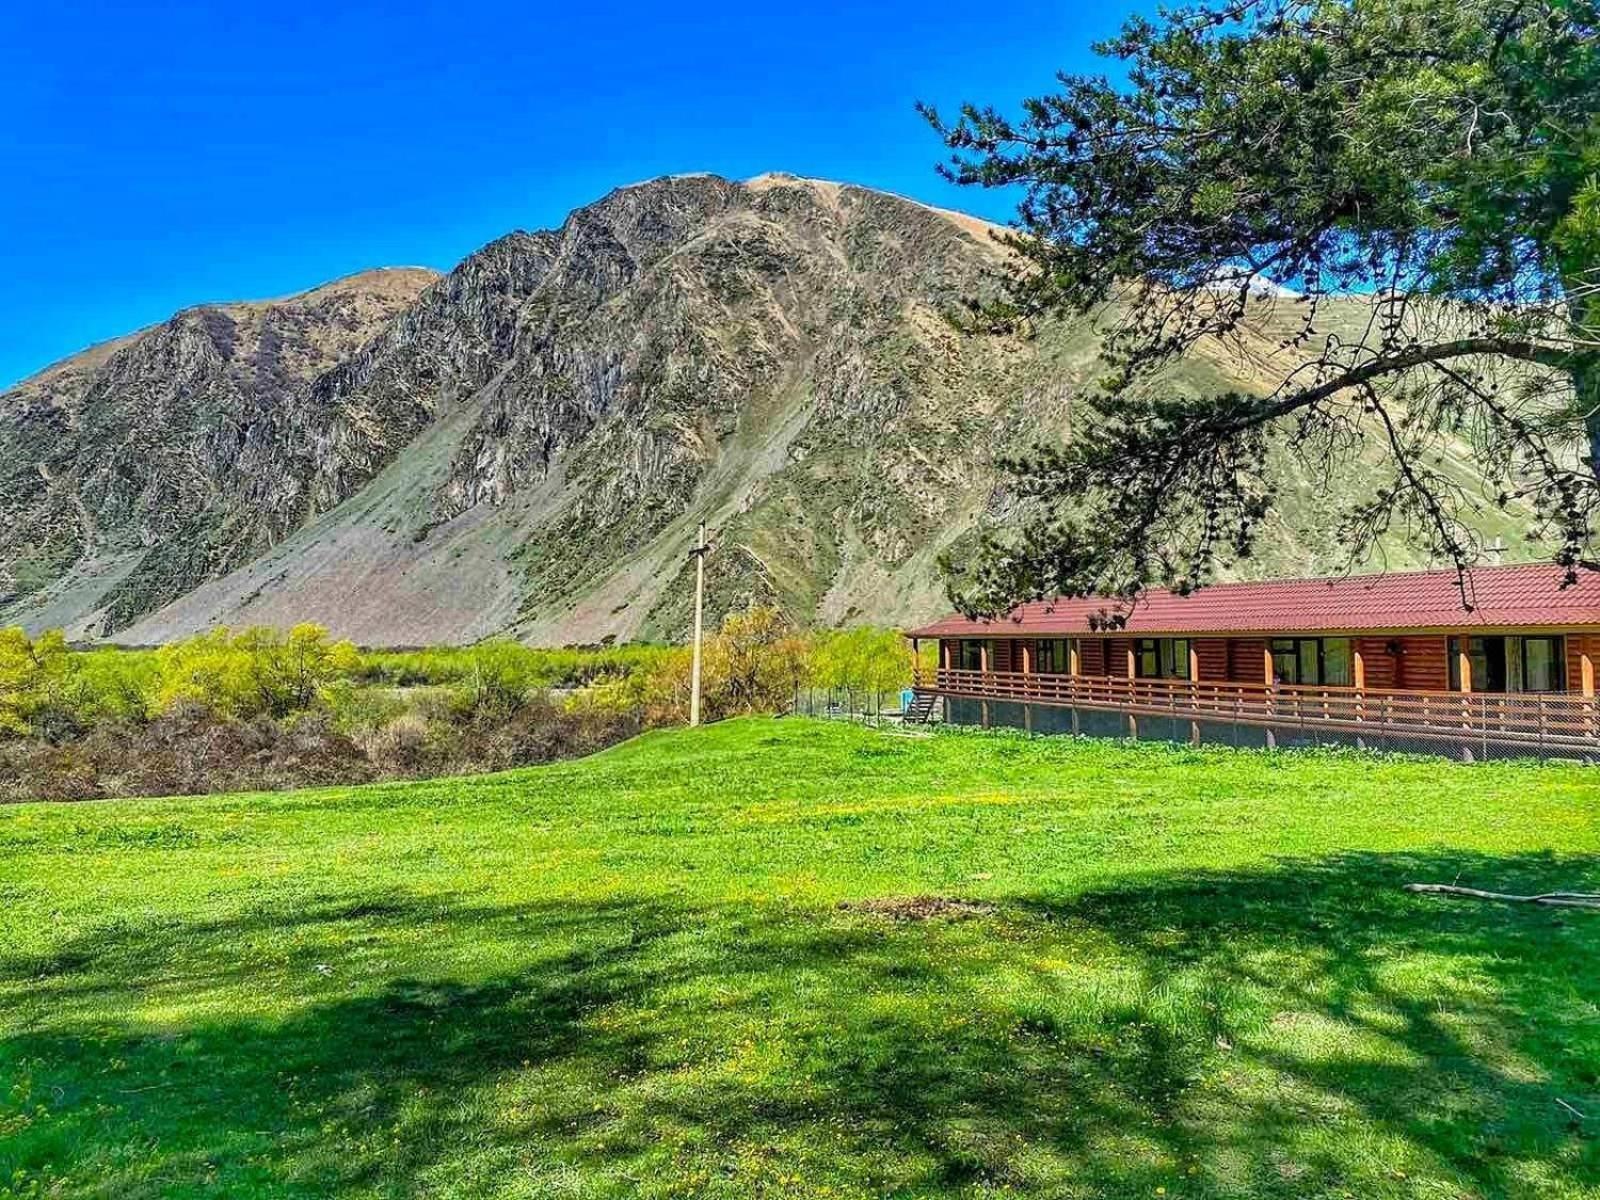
(1165, 660)
(1514, 662)
(1558, 663)
(1046, 654)
(978, 645)
(1295, 653)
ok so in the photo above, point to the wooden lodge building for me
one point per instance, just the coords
(1384, 661)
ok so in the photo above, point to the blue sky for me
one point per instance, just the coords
(155, 156)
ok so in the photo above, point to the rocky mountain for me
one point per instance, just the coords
(525, 444)
(122, 468)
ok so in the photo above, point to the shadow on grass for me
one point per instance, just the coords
(1304, 1030)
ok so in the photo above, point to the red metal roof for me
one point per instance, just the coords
(1527, 595)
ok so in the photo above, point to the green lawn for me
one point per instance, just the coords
(677, 969)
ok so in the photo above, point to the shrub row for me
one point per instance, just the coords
(262, 709)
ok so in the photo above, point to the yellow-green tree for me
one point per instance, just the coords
(291, 670)
(862, 662)
(257, 671)
(31, 673)
(110, 684)
(754, 663)
(500, 673)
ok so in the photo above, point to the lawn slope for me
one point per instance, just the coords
(682, 967)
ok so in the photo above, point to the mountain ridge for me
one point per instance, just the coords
(524, 444)
(95, 352)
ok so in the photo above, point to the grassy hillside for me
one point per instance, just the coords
(692, 966)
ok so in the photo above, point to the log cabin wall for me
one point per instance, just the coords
(1005, 657)
(1092, 656)
(1579, 644)
(1116, 658)
(1423, 665)
(1381, 666)
(1212, 655)
(1246, 661)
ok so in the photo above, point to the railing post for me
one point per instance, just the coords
(1586, 687)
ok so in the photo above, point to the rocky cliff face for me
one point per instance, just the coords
(126, 465)
(526, 443)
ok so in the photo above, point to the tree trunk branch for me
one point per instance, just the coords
(1418, 356)
(1557, 899)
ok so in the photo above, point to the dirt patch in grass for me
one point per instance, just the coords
(918, 908)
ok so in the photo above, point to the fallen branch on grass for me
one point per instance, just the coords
(1570, 1109)
(1558, 899)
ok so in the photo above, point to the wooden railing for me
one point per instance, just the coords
(1543, 721)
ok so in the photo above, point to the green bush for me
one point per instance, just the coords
(111, 685)
(539, 667)
(755, 663)
(865, 661)
(255, 672)
(260, 708)
(32, 673)
(499, 678)
(358, 709)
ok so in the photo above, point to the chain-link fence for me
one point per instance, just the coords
(846, 704)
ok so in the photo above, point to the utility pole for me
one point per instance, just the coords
(699, 553)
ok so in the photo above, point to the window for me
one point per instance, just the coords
(1162, 658)
(1510, 664)
(972, 654)
(1336, 662)
(1148, 659)
(1286, 661)
(1175, 658)
(1543, 665)
(1311, 662)
(1056, 655)
(1486, 659)
(1051, 655)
